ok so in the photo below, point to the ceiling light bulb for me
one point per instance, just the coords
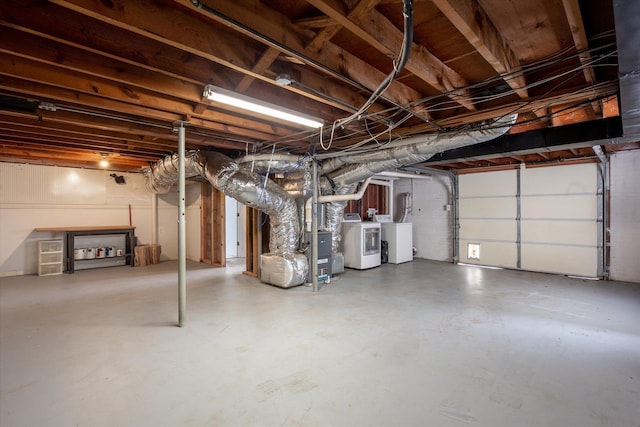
(104, 163)
(283, 79)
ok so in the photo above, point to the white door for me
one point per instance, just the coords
(231, 226)
(539, 219)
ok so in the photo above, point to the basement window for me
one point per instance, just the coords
(473, 251)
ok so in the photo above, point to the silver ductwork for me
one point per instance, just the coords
(274, 163)
(354, 168)
(247, 180)
(164, 173)
(406, 205)
(333, 216)
(248, 188)
(258, 192)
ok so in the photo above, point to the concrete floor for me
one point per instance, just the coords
(419, 344)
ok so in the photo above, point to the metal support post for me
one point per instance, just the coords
(182, 241)
(314, 228)
(456, 216)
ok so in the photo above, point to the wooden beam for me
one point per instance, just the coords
(324, 36)
(264, 62)
(219, 251)
(76, 60)
(476, 26)
(128, 56)
(252, 242)
(143, 52)
(116, 135)
(570, 95)
(374, 28)
(574, 17)
(321, 39)
(69, 144)
(288, 39)
(203, 40)
(206, 233)
(152, 100)
(86, 101)
(315, 22)
(52, 156)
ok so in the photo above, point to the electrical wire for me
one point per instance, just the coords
(450, 104)
(405, 51)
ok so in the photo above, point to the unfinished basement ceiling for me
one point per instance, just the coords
(85, 79)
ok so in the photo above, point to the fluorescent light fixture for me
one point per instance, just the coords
(227, 97)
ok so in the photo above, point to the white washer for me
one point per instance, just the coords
(361, 244)
(399, 236)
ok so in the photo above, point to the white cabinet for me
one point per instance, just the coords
(399, 236)
(50, 257)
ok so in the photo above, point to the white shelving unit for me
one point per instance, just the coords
(50, 257)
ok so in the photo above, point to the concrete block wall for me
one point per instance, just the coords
(33, 196)
(430, 215)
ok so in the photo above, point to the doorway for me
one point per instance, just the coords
(234, 226)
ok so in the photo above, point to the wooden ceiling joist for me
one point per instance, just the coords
(377, 30)
(81, 76)
(291, 42)
(574, 17)
(474, 24)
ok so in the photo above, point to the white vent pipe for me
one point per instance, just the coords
(333, 198)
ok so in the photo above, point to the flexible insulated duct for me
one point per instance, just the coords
(274, 163)
(248, 188)
(164, 173)
(354, 168)
(333, 216)
(406, 205)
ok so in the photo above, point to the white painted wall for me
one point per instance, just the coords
(625, 216)
(432, 223)
(33, 196)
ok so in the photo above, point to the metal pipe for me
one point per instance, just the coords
(331, 198)
(456, 219)
(601, 156)
(314, 229)
(182, 231)
(395, 174)
(603, 211)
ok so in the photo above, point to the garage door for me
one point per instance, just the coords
(539, 219)
(488, 210)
